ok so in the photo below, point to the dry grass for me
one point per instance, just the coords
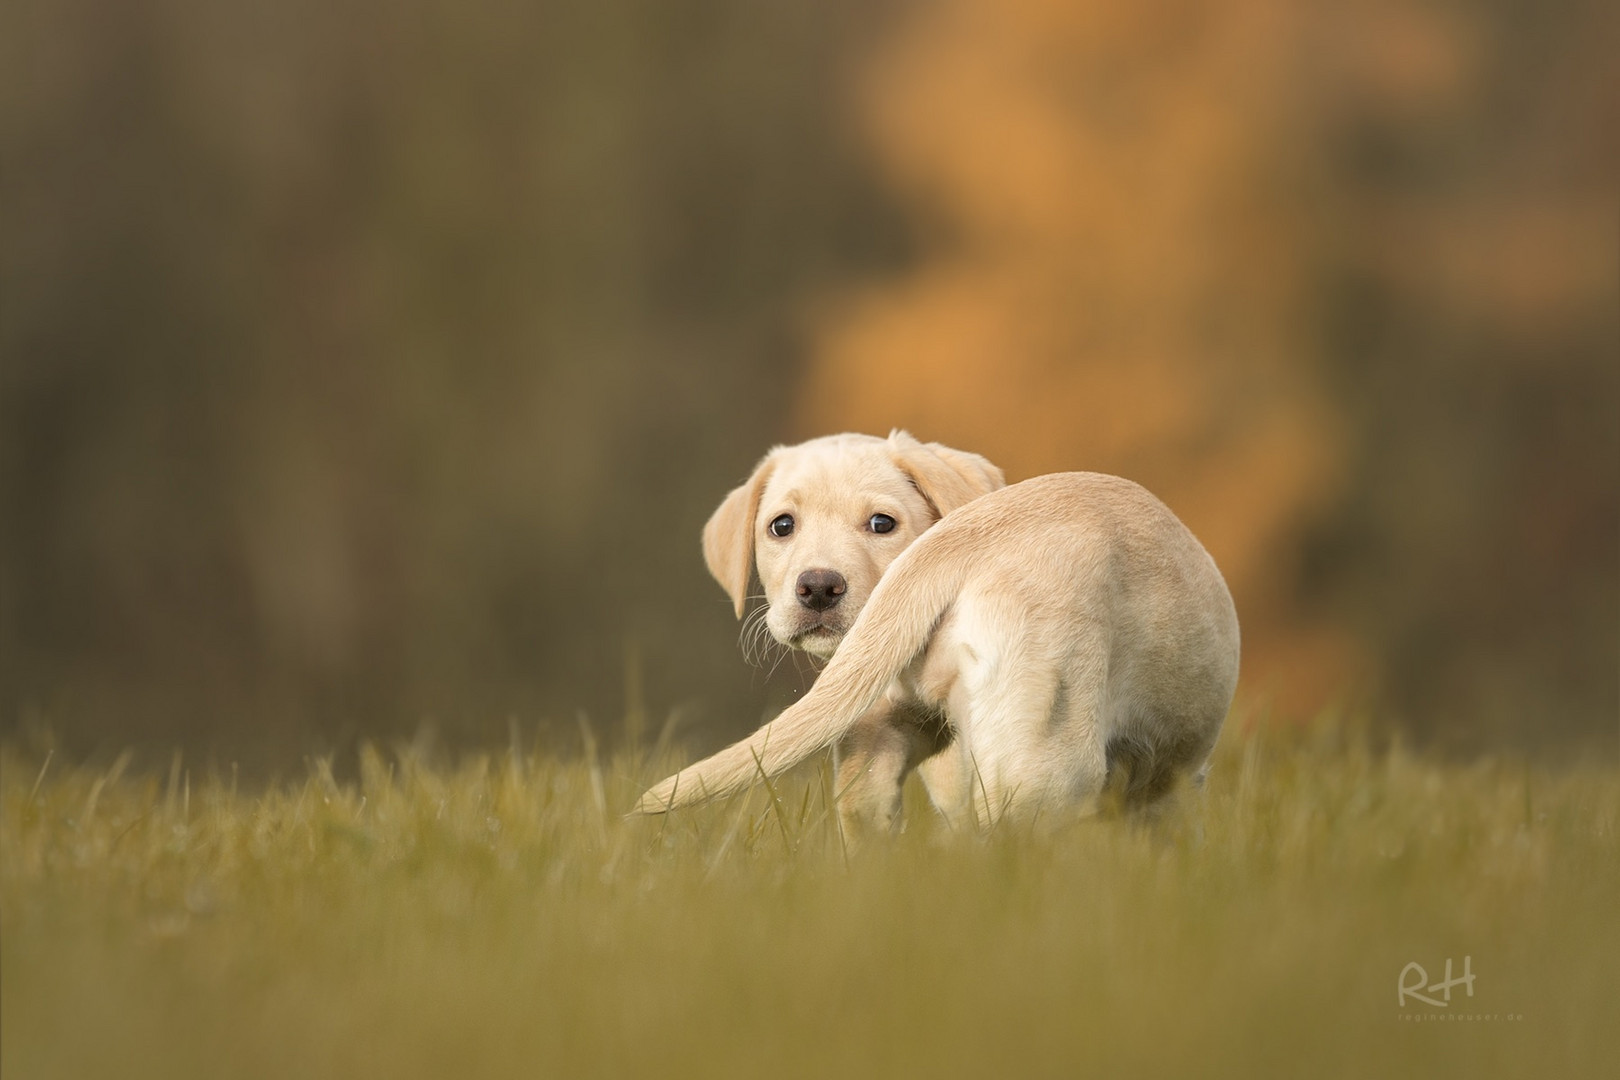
(498, 918)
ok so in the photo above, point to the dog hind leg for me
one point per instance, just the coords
(871, 763)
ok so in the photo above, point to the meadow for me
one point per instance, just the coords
(409, 914)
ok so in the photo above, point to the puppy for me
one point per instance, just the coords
(1020, 647)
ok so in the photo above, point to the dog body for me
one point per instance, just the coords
(1014, 645)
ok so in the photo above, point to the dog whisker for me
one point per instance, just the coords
(755, 638)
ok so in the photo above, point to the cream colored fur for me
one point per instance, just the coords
(1018, 646)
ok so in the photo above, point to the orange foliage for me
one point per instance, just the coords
(1119, 209)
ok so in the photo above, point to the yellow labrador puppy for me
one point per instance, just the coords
(1014, 645)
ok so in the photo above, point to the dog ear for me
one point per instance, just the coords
(947, 478)
(728, 538)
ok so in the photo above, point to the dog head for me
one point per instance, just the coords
(824, 519)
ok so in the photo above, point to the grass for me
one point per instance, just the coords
(496, 917)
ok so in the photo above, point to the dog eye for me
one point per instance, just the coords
(881, 523)
(782, 526)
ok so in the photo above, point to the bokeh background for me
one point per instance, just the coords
(372, 364)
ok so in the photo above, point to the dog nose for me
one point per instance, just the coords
(821, 589)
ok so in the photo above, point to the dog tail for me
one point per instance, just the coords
(897, 622)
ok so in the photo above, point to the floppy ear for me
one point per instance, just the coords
(728, 538)
(947, 478)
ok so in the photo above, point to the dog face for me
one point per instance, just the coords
(824, 519)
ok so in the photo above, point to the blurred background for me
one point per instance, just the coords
(371, 364)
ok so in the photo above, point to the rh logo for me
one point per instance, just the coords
(1414, 982)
